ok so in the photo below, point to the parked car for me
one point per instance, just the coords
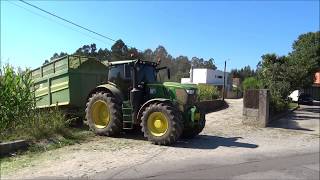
(305, 99)
(294, 96)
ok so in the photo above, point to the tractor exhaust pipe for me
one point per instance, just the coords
(135, 93)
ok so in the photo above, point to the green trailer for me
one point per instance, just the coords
(67, 81)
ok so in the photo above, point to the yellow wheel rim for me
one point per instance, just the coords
(157, 123)
(100, 114)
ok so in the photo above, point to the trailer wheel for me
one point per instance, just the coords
(161, 124)
(104, 114)
(191, 132)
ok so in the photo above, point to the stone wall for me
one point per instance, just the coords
(256, 107)
(211, 106)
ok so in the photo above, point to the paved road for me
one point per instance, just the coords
(305, 166)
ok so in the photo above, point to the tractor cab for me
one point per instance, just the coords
(121, 74)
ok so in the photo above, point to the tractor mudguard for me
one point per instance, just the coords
(146, 104)
(109, 87)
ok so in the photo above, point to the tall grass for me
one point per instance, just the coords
(208, 92)
(18, 116)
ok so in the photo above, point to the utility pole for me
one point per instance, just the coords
(224, 80)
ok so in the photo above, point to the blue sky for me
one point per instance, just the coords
(237, 30)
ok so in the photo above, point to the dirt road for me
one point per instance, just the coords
(224, 140)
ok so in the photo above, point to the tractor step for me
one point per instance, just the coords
(127, 117)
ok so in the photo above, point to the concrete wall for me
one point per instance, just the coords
(256, 107)
(234, 95)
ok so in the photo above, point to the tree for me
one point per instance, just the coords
(201, 63)
(273, 74)
(243, 73)
(119, 51)
(87, 50)
(56, 55)
(179, 66)
(304, 60)
(251, 83)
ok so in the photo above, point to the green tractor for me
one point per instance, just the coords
(133, 95)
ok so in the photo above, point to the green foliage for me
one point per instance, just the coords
(16, 98)
(284, 74)
(251, 83)
(304, 60)
(208, 92)
(19, 118)
(273, 72)
(43, 124)
(278, 105)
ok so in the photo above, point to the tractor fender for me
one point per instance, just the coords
(146, 104)
(108, 88)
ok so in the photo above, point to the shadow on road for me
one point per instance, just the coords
(212, 142)
(306, 114)
(198, 142)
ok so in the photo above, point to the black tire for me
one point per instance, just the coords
(191, 132)
(114, 127)
(175, 125)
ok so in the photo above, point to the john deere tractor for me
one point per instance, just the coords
(133, 96)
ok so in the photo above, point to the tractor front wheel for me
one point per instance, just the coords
(103, 114)
(161, 124)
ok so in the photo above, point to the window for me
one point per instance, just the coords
(146, 74)
(127, 71)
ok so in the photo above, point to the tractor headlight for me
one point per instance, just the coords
(182, 96)
(190, 91)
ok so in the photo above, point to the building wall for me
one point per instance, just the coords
(185, 80)
(208, 76)
(199, 76)
(317, 78)
(215, 77)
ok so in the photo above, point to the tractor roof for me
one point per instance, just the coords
(132, 61)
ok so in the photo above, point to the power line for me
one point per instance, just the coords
(57, 22)
(73, 23)
(68, 21)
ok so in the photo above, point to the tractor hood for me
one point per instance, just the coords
(179, 85)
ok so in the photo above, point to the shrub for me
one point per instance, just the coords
(277, 105)
(208, 92)
(251, 83)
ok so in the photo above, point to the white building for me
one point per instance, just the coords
(207, 76)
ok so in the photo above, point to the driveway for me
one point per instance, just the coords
(306, 118)
(225, 148)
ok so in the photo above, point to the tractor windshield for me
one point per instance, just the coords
(146, 74)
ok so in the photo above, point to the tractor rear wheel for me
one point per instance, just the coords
(104, 114)
(161, 123)
(191, 132)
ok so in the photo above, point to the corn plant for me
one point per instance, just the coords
(16, 98)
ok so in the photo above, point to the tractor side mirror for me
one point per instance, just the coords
(168, 72)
